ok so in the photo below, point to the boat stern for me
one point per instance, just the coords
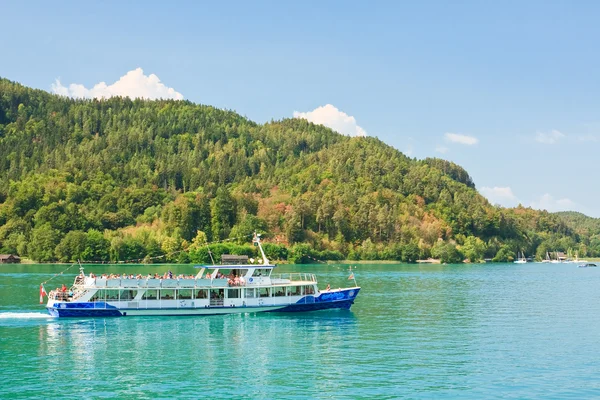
(337, 298)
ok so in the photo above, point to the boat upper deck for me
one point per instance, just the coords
(189, 281)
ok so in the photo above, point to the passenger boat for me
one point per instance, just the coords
(215, 289)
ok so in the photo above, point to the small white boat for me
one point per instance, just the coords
(521, 259)
(216, 289)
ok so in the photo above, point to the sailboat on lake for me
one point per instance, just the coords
(547, 259)
(521, 259)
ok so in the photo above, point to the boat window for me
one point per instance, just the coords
(250, 293)
(264, 292)
(261, 272)
(100, 295)
(294, 290)
(112, 295)
(279, 291)
(309, 290)
(216, 293)
(127, 294)
(223, 273)
(202, 294)
(167, 294)
(184, 294)
(233, 293)
(240, 272)
(150, 294)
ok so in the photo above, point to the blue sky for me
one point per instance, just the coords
(508, 90)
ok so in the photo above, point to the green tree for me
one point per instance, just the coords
(473, 248)
(505, 254)
(301, 254)
(44, 240)
(446, 253)
(244, 230)
(96, 247)
(223, 211)
(72, 246)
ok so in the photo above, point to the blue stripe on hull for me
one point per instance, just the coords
(96, 312)
(344, 304)
(83, 312)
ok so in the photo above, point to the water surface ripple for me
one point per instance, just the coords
(468, 331)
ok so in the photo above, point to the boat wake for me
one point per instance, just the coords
(24, 315)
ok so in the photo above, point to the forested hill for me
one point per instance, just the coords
(120, 179)
(580, 223)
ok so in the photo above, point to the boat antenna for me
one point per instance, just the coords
(210, 253)
(256, 241)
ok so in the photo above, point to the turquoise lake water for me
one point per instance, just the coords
(466, 331)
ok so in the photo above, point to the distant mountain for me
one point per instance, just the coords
(121, 179)
(580, 223)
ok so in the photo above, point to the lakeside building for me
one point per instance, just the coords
(9, 259)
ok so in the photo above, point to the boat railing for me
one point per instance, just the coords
(294, 277)
(216, 302)
(77, 294)
(58, 295)
(117, 283)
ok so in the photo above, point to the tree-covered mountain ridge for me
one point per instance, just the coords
(119, 179)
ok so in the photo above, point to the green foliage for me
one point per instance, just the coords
(114, 168)
(44, 240)
(302, 254)
(223, 212)
(581, 223)
(452, 170)
(410, 252)
(505, 254)
(202, 255)
(275, 252)
(244, 230)
(474, 249)
(446, 253)
(96, 248)
(186, 215)
(72, 246)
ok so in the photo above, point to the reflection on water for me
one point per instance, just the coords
(213, 352)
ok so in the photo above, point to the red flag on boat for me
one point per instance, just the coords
(42, 294)
(351, 276)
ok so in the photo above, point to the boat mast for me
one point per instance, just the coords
(256, 240)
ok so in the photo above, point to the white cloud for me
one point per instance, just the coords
(333, 118)
(547, 202)
(133, 84)
(549, 137)
(441, 149)
(503, 196)
(460, 138)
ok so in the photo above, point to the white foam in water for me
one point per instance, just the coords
(24, 315)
